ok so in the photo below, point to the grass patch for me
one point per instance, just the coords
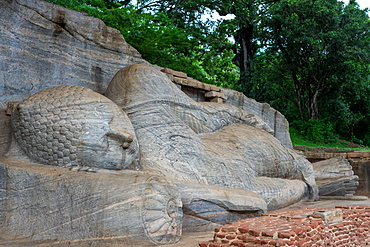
(339, 145)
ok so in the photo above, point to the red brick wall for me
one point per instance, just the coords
(297, 227)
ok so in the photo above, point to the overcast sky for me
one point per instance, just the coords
(363, 3)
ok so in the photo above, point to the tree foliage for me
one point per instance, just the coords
(315, 63)
(316, 46)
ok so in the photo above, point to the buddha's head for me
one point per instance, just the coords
(74, 126)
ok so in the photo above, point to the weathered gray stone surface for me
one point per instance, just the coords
(224, 161)
(272, 117)
(44, 45)
(362, 167)
(135, 207)
(202, 92)
(207, 143)
(46, 202)
(5, 135)
(216, 162)
(206, 207)
(335, 177)
(73, 126)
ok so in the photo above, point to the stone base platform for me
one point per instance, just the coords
(306, 226)
(190, 239)
(42, 203)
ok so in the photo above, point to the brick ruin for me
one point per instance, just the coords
(343, 226)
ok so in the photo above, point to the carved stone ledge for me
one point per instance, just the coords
(174, 73)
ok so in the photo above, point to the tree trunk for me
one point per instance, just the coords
(298, 94)
(246, 53)
(314, 109)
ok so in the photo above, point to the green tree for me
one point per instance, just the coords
(215, 51)
(243, 28)
(317, 43)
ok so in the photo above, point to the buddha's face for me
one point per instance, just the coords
(74, 126)
(107, 141)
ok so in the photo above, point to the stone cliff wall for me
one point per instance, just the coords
(44, 45)
(272, 117)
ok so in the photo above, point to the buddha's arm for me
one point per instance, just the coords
(207, 117)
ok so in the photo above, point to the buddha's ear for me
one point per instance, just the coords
(122, 135)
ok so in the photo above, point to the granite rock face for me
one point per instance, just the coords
(335, 177)
(48, 202)
(73, 126)
(5, 134)
(271, 116)
(44, 45)
(205, 142)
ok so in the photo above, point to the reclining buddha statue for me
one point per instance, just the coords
(156, 127)
(174, 157)
(205, 142)
(169, 163)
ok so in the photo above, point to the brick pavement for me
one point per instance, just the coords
(299, 227)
